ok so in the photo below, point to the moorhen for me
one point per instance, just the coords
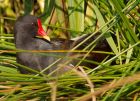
(26, 30)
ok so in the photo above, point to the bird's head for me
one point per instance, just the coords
(30, 25)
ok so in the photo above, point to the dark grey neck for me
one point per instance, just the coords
(24, 41)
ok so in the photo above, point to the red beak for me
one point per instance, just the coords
(41, 31)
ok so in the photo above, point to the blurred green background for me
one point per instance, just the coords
(118, 21)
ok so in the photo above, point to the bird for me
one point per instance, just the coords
(29, 35)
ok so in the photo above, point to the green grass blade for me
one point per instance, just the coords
(76, 15)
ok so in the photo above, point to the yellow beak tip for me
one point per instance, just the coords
(44, 37)
(47, 38)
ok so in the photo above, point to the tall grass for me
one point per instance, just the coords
(113, 79)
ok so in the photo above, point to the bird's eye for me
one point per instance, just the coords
(34, 24)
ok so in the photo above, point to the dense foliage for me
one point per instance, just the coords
(115, 78)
